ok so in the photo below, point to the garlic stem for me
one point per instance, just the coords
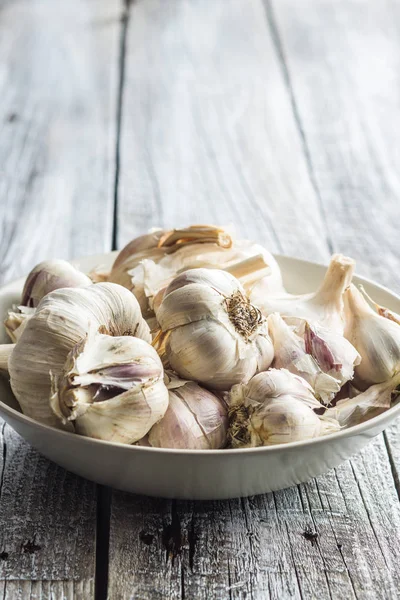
(255, 266)
(381, 310)
(337, 278)
(196, 234)
(5, 353)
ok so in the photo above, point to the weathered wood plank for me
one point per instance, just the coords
(46, 590)
(207, 129)
(58, 84)
(346, 86)
(212, 128)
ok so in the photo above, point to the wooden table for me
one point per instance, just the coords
(280, 116)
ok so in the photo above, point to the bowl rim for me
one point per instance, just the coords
(387, 415)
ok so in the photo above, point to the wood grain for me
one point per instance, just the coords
(261, 114)
(207, 130)
(58, 87)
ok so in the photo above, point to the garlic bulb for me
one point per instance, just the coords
(111, 388)
(17, 319)
(46, 277)
(195, 419)
(212, 333)
(362, 407)
(61, 320)
(275, 407)
(376, 338)
(290, 353)
(325, 306)
(150, 262)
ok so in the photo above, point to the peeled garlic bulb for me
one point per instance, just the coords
(111, 388)
(290, 353)
(212, 333)
(61, 320)
(196, 419)
(275, 407)
(325, 306)
(376, 338)
(148, 263)
(362, 407)
(48, 276)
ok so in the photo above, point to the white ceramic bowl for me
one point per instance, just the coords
(197, 474)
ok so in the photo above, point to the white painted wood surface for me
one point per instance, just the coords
(58, 90)
(256, 113)
(278, 116)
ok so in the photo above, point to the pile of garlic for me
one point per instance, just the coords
(192, 342)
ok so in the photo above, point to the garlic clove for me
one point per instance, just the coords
(376, 338)
(334, 354)
(290, 353)
(275, 407)
(195, 419)
(325, 306)
(48, 276)
(211, 332)
(111, 388)
(62, 319)
(364, 406)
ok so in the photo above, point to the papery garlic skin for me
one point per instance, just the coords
(196, 419)
(381, 310)
(376, 338)
(61, 320)
(275, 407)
(16, 321)
(111, 388)
(150, 262)
(374, 401)
(290, 353)
(325, 306)
(48, 276)
(212, 333)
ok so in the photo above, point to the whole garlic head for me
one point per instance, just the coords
(196, 419)
(61, 320)
(111, 388)
(149, 263)
(46, 277)
(212, 333)
(376, 338)
(325, 306)
(275, 407)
